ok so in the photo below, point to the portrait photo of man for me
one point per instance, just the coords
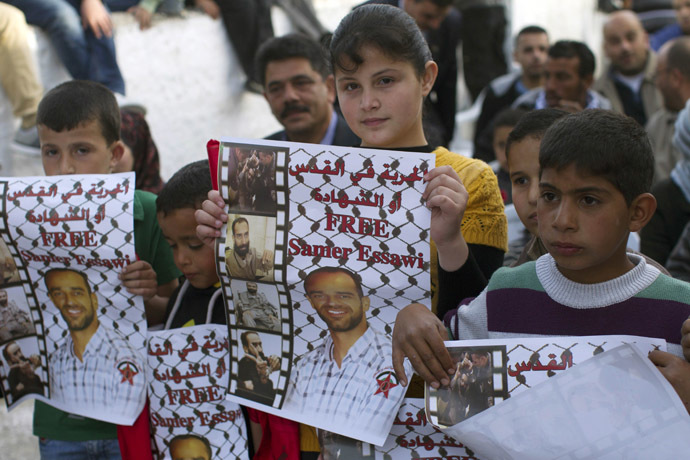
(349, 375)
(14, 321)
(94, 366)
(255, 369)
(470, 390)
(22, 378)
(254, 309)
(251, 177)
(8, 268)
(243, 261)
(190, 447)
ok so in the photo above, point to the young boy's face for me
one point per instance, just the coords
(500, 138)
(82, 150)
(194, 259)
(584, 222)
(523, 165)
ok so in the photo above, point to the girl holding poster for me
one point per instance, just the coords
(383, 71)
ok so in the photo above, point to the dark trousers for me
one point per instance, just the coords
(483, 34)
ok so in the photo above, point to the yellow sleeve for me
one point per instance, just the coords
(484, 221)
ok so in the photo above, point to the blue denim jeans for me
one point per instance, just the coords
(104, 449)
(85, 56)
(171, 7)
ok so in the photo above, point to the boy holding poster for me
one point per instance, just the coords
(79, 130)
(596, 171)
(199, 299)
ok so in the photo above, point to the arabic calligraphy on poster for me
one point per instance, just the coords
(615, 404)
(488, 372)
(411, 437)
(69, 237)
(188, 377)
(337, 216)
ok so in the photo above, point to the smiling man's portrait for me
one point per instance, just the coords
(349, 375)
(93, 367)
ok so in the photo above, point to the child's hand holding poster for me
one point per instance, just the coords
(71, 334)
(320, 254)
(188, 377)
(561, 397)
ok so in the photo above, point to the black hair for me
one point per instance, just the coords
(291, 46)
(678, 56)
(533, 124)
(239, 220)
(508, 117)
(187, 188)
(571, 49)
(183, 437)
(6, 353)
(244, 335)
(530, 30)
(355, 277)
(388, 28)
(53, 270)
(76, 102)
(439, 3)
(601, 143)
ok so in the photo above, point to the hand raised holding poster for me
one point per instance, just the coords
(69, 237)
(345, 248)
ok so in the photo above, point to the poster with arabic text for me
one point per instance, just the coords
(322, 248)
(188, 378)
(599, 397)
(71, 335)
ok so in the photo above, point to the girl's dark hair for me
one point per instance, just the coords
(386, 27)
(135, 132)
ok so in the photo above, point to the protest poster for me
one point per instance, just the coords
(322, 248)
(490, 371)
(411, 437)
(563, 397)
(72, 336)
(188, 372)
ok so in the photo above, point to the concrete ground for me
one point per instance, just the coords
(16, 440)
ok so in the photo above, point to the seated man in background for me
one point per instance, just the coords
(628, 81)
(299, 87)
(568, 78)
(531, 44)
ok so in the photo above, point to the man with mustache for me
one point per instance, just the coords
(256, 310)
(349, 375)
(242, 260)
(14, 322)
(254, 370)
(21, 377)
(299, 87)
(628, 82)
(94, 367)
(568, 76)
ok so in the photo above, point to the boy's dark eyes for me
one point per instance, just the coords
(350, 86)
(589, 200)
(548, 196)
(385, 80)
(520, 181)
(196, 247)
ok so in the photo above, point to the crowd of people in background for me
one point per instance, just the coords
(534, 125)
